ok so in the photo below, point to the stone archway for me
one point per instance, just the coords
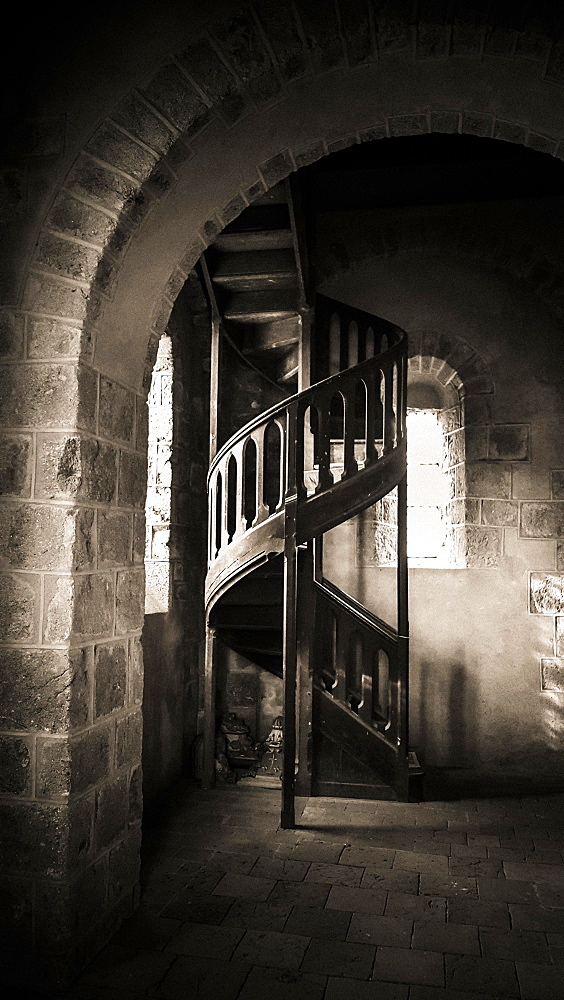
(185, 143)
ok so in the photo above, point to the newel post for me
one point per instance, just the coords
(287, 818)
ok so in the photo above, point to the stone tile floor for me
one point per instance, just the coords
(458, 900)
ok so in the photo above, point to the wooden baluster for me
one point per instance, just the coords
(371, 382)
(333, 651)
(334, 344)
(366, 710)
(240, 520)
(352, 344)
(211, 521)
(323, 443)
(282, 470)
(262, 509)
(389, 416)
(218, 511)
(401, 408)
(369, 343)
(343, 635)
(225, 505)
(302, 457)
(350, 465)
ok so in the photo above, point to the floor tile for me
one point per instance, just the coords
(300, 893)
(550, 895)
(519, 945)
(505, 890)
(279, 984)
(486, 975)
(430, 863)
(281, 869)
(533, 872)
(539, 982)
(447, 885)
(146, 930)
(363, 856)
(205, 940)
(369, 928)
(400, 904)
(400, 965)
(344, 897)
(479, 912)
(309, 920)
(386, 878)
(355, 989)
(458, 939)
(272, 949)
(536, 918)
(224, 861)
(432, 993)
(198, 908)
(328, 854)
(470, 868)
(198, 977)
(339, 958)
(244, 887)
(334, 874)
(259, 916)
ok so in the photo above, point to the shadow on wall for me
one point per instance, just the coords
(162, 703)
(446, 712)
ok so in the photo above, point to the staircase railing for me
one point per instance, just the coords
(361, 671)
(301, 468)
(252, 475)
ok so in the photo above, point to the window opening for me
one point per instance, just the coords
(427, 490)
(159, 482)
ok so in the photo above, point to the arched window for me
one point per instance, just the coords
(428, 490)
(435, 456)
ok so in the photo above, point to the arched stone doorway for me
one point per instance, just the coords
(156, 160)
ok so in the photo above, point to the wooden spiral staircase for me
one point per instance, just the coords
(275, 487)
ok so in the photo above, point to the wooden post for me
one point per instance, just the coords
(403, 640)
(287, 817)
(208, 763)
(305, 666)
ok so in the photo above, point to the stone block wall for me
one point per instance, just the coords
(71, 683)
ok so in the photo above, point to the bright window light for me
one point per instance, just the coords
(427, 490)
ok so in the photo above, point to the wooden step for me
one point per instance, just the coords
(255, 591)
(268, 336)
(256, 617)
(287, 366)
(260, 217)
(240, 242)
(262, 306)
(260, 265)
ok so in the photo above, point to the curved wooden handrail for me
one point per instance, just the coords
(286, 453)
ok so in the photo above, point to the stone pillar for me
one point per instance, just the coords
(71, 594)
